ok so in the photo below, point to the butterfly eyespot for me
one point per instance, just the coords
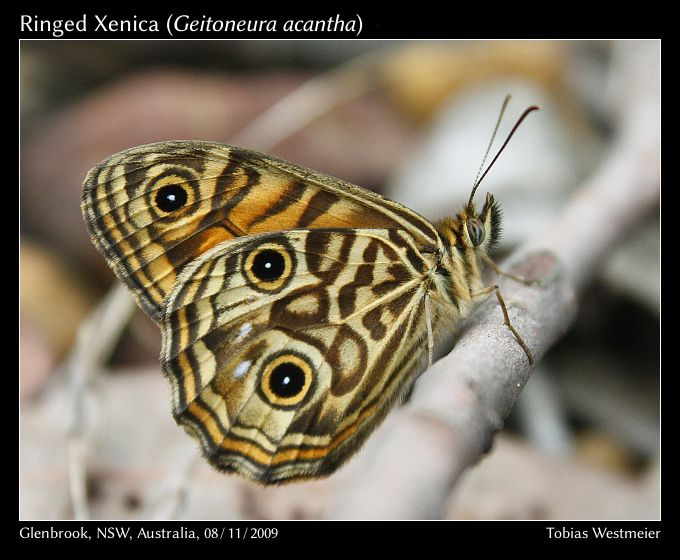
(171, 197)
(286, 380)
(476, 231)
(269, 267)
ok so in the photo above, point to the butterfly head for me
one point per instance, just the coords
(483, 229)
(472, 230)
(479, 231)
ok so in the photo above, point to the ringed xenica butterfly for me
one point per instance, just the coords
(296, 309)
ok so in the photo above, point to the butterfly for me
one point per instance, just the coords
(296, 309)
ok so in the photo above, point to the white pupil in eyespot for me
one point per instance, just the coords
(285, 380)
(171, 197)
(268, 265)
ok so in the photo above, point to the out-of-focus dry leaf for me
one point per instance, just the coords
(602, 451)
(52, 298)
(36, 358)
(422, 76)
(518, 482)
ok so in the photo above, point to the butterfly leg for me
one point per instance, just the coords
(500, 272)
(430, 337)
(506, 318)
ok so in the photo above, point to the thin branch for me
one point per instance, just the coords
(314, 98)
(462, 401)
(96, 340)
(173, 495)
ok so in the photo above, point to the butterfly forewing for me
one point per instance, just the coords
(154, 209)
(284, 349)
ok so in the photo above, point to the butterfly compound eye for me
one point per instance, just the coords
(476, 231)
(171, 197)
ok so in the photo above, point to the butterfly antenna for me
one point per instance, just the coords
(493, 136)
(479, 178)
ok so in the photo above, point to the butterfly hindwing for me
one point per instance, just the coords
(154, 209)
(284, 350)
